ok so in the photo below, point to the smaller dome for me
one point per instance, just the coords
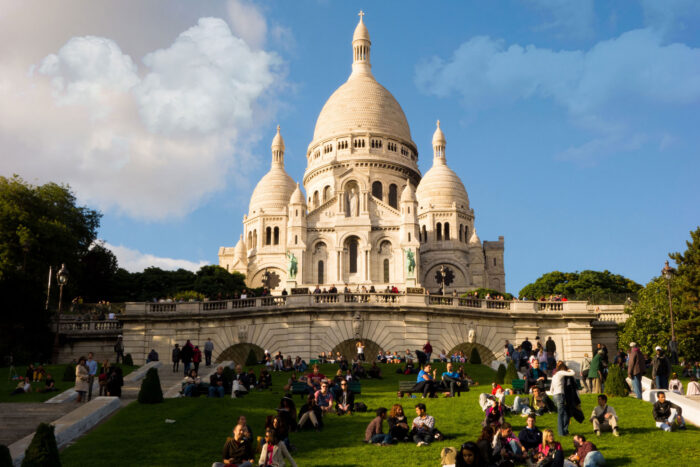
(440, 188)
(474, 239)
(272, 191)
(277, 141)
(408, 195)
(361, 31)
(239, 249)
(439, 136)
(297, 196)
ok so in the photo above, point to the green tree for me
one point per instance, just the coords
(584, 285)
(42, 451)
(474, 357)
(216, 282)
(511, 373)
(151, 392)
(615, 384)
(500, 374)
(687, 316)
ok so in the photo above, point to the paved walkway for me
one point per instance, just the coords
(18, 419)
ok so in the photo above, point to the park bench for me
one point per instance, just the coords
(202, 389)
(406, 387)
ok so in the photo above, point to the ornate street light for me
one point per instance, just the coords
(62, 277)
(667, 272)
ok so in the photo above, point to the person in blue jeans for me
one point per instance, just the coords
(374, 433)
(425, 382)
(557, 389)
(217, 383)
(586, 455)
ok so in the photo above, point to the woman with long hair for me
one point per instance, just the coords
(398, 423)
(557, 389)
(81, 379)
(470, 455)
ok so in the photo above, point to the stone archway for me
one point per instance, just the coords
(238, 353)
(487, 356)
(348, 349)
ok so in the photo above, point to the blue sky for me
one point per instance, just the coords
(573, 123)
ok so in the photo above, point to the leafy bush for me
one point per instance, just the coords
(252, 359)
(475, 358)
(128, 360)
(187, 295)
(511, 373)
(69, 373)
(151, 392)
(42, 451)
(500, 374)
(5, 457)
(615, 384)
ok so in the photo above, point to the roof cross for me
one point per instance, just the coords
(361, 14)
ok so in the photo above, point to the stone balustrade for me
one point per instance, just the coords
(90, 327)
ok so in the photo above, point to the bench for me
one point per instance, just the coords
(518, 386)
(202, 389)
(303, 389)
(406, 387)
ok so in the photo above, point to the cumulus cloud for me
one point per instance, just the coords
(247, 22)
(135, 261)
(570, 17)
(150, 141)
(601, 89)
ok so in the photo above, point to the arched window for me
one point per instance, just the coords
(352, 250)
(466, 234)
(276, 236)
(494, 261)
(386, 271)
(425, 234)
(461, 228)
(326, 193)
(438, 232)
(250, 240)
(409, 236)
(393, 200)
(316, 199)
(447, 230)
(377, 190)
(320, 272)
(255, 237)
(268, 236)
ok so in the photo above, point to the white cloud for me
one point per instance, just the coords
(135, 261)
(603, 89)
(247, 22)
(566, 17)
(151, 142)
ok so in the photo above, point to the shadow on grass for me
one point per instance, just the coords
(624, 460)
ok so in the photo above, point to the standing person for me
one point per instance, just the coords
(91, 366)
(594, 371)
(186, 356)
(115, 381)
(102, 377)
(585, 367)
(557, 389)
(423, 426)
(526, 347)
(660, 369)
(81, 379)
(176, 358)
(636, 368)
(374, 433)
(119, 348)
(360, 351)
(551, 347)
(509, 350)
(604, 417)
(208, 351)
(196, 358)
(428, 350)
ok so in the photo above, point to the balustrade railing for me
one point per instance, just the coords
(497, 304)
(78, 326)
(550, 306)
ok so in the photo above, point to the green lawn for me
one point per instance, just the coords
(139, 436)
(7, 385)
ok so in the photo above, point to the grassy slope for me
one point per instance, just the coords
(8, 385)
(139, 436)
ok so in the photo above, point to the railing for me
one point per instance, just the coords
(87, 327)
(94, 309)
(550, 306)
(163, 307)
(497, 304)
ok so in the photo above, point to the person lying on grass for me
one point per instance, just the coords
(374, 433)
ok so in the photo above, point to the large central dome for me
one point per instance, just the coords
(361, 104)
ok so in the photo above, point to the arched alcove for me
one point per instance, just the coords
(239, 353)
(348, 349)
(485, 353)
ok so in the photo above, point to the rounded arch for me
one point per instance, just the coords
(348, 349)
(348, 182)
(460, 280)
(277, 275)
(238, 353)
(487, 356)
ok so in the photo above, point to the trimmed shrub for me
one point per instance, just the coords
(69, 373)
(252, 359)
(128, 360)
(150, 392)
(475, 358)
(500, 374)
(42, 451)
(511, 373)
(615, 384)
(5, 457)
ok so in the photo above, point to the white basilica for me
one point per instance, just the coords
(368, 216)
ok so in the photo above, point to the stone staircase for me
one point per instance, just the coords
(18, 419)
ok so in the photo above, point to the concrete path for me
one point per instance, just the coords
(17, 420)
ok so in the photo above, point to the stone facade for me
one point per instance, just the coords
(368, 217)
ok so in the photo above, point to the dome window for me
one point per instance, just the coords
(447, 230)
(327, 148)
(391, 146)
(342, 144)
(276, 236)
(393, 198)
(377, 190)
(358, 143)
(376, 143)
(425, 235)
(404, 151)
(268, 236)
(438, 232)
(326, 193)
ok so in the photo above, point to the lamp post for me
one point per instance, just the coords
(62, 278)
(266, 279)
(667, 272)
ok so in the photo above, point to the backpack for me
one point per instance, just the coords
(360, 407)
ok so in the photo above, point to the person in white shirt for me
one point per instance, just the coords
(604, 417)
(693, 387)
(675, 385)
(557, 389)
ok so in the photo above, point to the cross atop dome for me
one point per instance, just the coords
(361, 14)
(360, 47)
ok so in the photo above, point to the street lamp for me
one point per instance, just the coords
(62, 278)
(667, 272)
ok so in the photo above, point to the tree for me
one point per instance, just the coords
(475, 358)
(585, 285)
(500, 374)
(42, 451)
(252, 359)
(615, 383)
(5, 457)
(216, 282)
(511, 373)
(151, 392)
(687, 316)
(97, 274)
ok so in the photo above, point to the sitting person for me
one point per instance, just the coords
(240, 386)
(487, 400)
(425, 382)
(152, 356)
(398, 423)
(538, 404)
(530, 437)
(535, 376)
(290, 382)
(299, 364)
(191, 382)
(604, 417)
(49, 384)
(693, 388)
(39, 373)
(452, 380)
(247, 431)
(23, 387)
(423, 427)
(374, 433)
(495, 415)
(288, 411)
(345, 399)
(237, 450)
(324, 398)
(252, 379)
(666, 413)
(469, 455)
(374, 372)
(484, 444)
(314, 379)
(506, 447)
(280, 427)
(549, 453)
(675, 384)
(217, 383)
(310, 415)
(358, 371)
(274, 452)
(265, 379)
(586, 454)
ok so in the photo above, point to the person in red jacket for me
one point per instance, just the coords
(428, 350)
(196, 358)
